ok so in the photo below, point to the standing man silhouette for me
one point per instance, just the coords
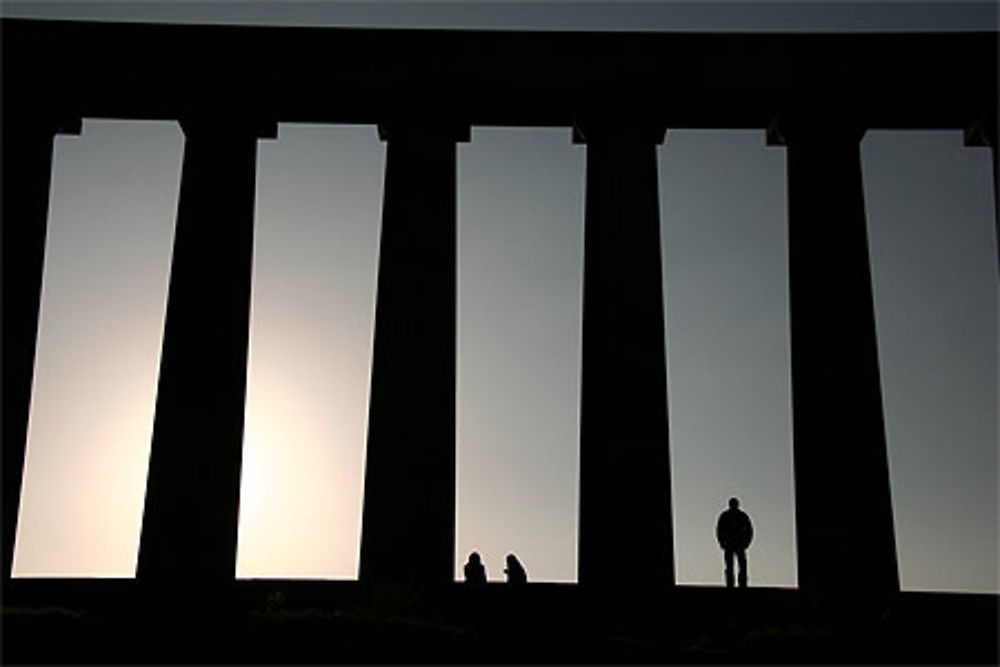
(734, 532)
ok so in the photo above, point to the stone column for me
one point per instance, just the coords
(844, 523)
(192, 494)
(625, 514)
(27, 173)
(408, 525)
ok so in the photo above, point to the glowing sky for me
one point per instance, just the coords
(723, 222)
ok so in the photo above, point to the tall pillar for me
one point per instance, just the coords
(27, 173)
(625, 514)
(843, 509)
(192, 494)
(408, 525)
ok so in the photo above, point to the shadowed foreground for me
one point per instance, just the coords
(344, 622)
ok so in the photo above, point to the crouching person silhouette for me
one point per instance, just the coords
(475, 573)
(515, 571)
(734, 532)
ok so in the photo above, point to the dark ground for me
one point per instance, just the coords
(345, 622)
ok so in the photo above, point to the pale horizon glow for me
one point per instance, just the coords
(310, 352)
(110, 233)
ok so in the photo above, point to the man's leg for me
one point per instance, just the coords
(729, 568)
(741, 559)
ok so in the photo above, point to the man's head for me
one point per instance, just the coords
(734, 503)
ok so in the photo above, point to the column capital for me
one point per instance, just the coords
(36, 111)
(814, 121)
(69, 125)
(419, 129)
(196, 124)
(619, 127)
(982, 131)
(51, 124)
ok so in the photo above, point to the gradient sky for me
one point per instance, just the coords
(933, 246)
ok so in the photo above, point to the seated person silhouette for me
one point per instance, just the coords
(734, 532)
(514, 571)
(475, 573)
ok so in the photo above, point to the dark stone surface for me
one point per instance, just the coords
(191, 510)
(296, 622)
(626, 531)
(843, 510)
(408, 522)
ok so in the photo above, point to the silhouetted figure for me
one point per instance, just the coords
(735, 532)
(515, 571)
(475, 573)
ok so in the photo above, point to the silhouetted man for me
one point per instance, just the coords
(735, 532)
(514, 571)
(475, 573)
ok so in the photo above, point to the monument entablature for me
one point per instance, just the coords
(506, 78)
